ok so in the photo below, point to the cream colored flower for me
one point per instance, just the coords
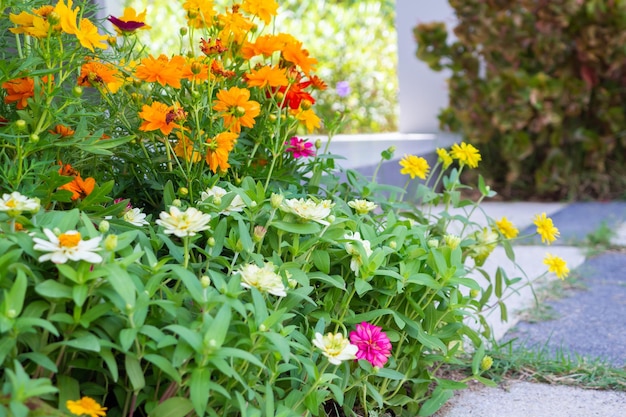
(135, 217)
(263, 279)
(15, 204)
(308, 209)
(486, 242)
(352, 249)
(336, 347)
(452, 241)
(216, 192)
(183, 223)
(67, 246)
(362, 206)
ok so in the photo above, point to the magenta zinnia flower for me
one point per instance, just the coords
(374, 345)
(300, 147)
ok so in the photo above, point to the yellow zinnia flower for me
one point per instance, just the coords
(466, 154)
(415, 166)
(444, 157)
(545, 228)
(557, 265)
(507, 228)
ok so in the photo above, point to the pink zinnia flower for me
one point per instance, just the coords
(374, 345)
(300, 147)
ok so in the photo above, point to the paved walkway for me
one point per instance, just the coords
(589, 323)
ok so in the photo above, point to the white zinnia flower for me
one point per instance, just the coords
(15, 204)
(308, 209)
(135, 217)
(183, 223)
(67, 246)
(335, 347)
(362, 206)
(263, 279)
(237, 203)
(357, 261)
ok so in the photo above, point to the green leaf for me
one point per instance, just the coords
(86, 342)
(199, 387)
(362, 286)
(321, 260)
(79, 294)
(172, 407)
(134, 372)
(424, 279)
(121, 282)
(438, 398)
(164, 365)
(219, 326)
(310, 228)
(40, 359)
(53, 289)
(478, 356)
(334, 280)
(244, 236)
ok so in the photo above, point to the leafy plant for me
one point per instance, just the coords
(170, 246)
(539, 87)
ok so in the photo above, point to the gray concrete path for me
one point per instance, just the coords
(589, 323)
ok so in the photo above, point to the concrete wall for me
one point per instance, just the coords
(422, 91)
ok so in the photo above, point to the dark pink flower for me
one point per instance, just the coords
(374, 345)
(299, 147)
(125, 26)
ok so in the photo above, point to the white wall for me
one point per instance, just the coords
(422, 91)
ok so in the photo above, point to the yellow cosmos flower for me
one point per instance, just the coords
(294, 52)
(185, 148)
(200, 13)
(86, 405)
(162, 70)
(415, 166)
(507, 228)
(88, 36)
(466, 154)
(234, 27)
(68, 16)
(218, 149)
(556, 265)
(444, 157)
(545, 228)
(308, 117)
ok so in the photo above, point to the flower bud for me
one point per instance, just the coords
(239, 246)
(33, 138)
(318, 144)
(11, 313)
(129, 308)
(56, 231)
(196, 67)
(306, 104)
(104, 226)
(211, 242)
(192, 14)
(77, 91)
(112, 40)
(53, 18)
(239, 111)
(177, 203)
(486, 363)
(183, 31)
(272, 117)
(183, 191)
(433, 243)
(263, 328)
(110, 243)
(20, 124)
(292, 283)
(331, 218)
(259, 233)
(474, 293)
(217, 200)
(452, 241)
(205, 281)
(393, 244)
(276, 200)
(253, 204)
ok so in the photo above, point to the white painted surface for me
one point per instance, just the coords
(422, 91)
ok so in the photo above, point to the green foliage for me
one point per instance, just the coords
(540, 87)
(148, 279)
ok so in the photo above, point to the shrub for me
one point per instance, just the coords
(540, 87)
(169, 246)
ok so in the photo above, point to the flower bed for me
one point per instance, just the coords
(172, 244)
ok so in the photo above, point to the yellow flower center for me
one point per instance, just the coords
(69, 240)
(11, 203)
(239, 111)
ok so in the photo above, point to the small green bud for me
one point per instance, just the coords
(263, 328)
(183, 191)
(331, 218)
(393, 244)
(77, 91)
(20, 124)
(205, 281)
(33, 138)
(486, 363)
(177, 203)
(110, 243)
(183, 31)
(211, 242)
(276, 200)
(474, 293)
(318, 144)
(104, 226)
(433, 243)
(11, 313)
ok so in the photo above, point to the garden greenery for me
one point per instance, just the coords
(171, 244)
(539, 86)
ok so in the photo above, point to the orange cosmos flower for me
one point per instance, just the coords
(62, 131)
(317, 83)
(217, 69)
(19, 90)
(200, 13)
(264, 45)
(80, 188)
(95, 74)
(308, 117)
(195, 70)
(294, 53)
(88, 36)
(265, 9)
(158, 116)
(236, 108)
(213, 46)
(234, 26)
(267, 76)
(161, 70)
(185, 148)
(218, 150)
